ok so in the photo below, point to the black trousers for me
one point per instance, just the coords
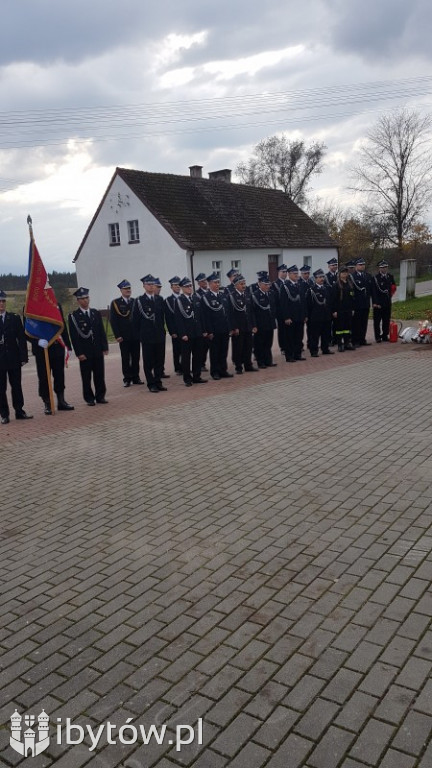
(205, 349)
(359, 325)
(191, 352)
(319, 331)
(153, 362)
(281, 334)
(381, 321)
(177, 350)
(14, 376)
(219, 353)
(294, 340)
(93, 367)
(241, 349)
(130, 355)
(263, 342)
(56, 356)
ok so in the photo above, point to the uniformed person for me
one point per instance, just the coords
(231, 275)
(190, 330)
(215, 320)
(264, 304)
(57, 357)
(276, 287)
(241, 320)
(13, 355)
(255, 286)
(200, 291)
(318, 310)
(148, 320)
(293, 313)
(332, 275)
(305, 280)
(157, 292)
(120, 319)
(383, 287)
(90, 345)
(170, 319)
(362, 300)
(343, 309)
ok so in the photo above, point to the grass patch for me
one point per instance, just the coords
(419, 308)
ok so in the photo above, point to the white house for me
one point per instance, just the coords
(169, 225)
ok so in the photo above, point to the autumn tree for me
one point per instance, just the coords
(395, 173)
(280, 163)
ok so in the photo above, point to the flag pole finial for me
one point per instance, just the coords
(30, 226)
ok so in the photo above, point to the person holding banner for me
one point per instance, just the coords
(58, 353)
(13, 354)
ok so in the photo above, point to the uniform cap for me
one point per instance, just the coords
(294, 268)
(157, 281)
(232, 272)
(350, 263)
(238, 278)
(82, 293)
(3, 295)
(264, 278)
(282, 268)
(332, 261)
(149, 279)
(174, 280)
(383, 263)
(200, 277)
(185, 281)
(124, 284)
(318, 273)
(360, 261)
(305, 268)
(213, 277)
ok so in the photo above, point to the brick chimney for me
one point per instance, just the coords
(196, 171)
(223, 175)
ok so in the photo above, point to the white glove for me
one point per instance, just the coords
(43, 343)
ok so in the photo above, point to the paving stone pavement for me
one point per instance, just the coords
(255, 553)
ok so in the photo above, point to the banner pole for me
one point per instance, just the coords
(48, 375)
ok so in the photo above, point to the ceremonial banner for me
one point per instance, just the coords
(43, 319)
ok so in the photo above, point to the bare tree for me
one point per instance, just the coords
(278, 163)
(395, 172)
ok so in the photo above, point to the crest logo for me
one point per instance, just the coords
(24, 739)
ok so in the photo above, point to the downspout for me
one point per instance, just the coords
(191, 253)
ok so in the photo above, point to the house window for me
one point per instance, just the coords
(114, 234)
(307, 261)
(217, 267)
(236, 264)
(133, 231)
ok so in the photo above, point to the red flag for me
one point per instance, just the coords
(43, 318)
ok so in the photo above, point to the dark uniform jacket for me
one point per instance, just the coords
(148, 319)
(342, 298)
(292, 302)
(318, 303)
(331, 278)
(362, 289)
(170, 316)
(264, 305)
(381, 286)
(305, 284)
(214, 312)
(13, 345)
(120, 318)
(188, 316)
(200, 292)
(240, 311)
(87, 333)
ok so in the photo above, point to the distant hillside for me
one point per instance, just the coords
(58, 280)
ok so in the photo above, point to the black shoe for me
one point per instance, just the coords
(5, 420)
(22, 415)
(349, 347)
(165, 376)
(215, 376)
(161, 388)
(126, 383)
(377, 341)
(188, 383)
(365, 344)
(227, 376)
(137, 381)
(199, 381)
(102, 401)
(204, 368)
(314, 354)
(290, 359)
(153, 389)
(239, 370)
(262, 366)
(63, 405)
(90, 402)
(385, 338)
(271, 365)
(328, 352)
(251, 369)
(47, 408)
(340, 348)
(300, 358)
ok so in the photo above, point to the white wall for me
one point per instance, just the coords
(256, 259)
(101, 266)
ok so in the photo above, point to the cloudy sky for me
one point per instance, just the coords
(91, 85)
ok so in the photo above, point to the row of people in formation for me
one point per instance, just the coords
(334, 307)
